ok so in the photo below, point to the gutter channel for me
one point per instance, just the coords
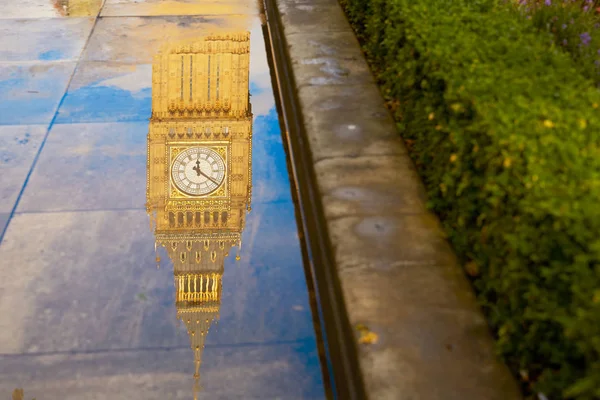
(341, 371)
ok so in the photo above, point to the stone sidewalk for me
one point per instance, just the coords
(421, 334)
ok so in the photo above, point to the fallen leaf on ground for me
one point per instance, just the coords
(366, 335)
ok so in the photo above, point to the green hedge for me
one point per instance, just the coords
(506, 135)
(573, 25)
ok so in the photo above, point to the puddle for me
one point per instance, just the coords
(151, 248)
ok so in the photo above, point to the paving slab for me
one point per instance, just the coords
(50, 9)
(31, 9)
(425, 286)
(350, 186)
(121, 8)
(103, 166)
(31, 93)
(387, 241)
(89, 167)
(136, 40)
(43, 39)
(312, 16)
(93, 285)
(77, 300)
(19, 145)
(108, 92)
(328, 59)
(448, 344)
(361, 128)
(252, 371)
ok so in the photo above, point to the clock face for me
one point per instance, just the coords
(198, 171)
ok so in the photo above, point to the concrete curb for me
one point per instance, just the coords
(419, 331)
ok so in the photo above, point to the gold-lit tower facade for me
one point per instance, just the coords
(199, 168)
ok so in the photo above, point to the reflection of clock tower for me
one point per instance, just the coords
(199, 168)
(78, 8)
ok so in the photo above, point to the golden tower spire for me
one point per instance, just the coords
(199, 170)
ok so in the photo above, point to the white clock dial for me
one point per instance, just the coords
(198, 171)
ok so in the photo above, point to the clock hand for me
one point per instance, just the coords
(197, 167)
(208, 177)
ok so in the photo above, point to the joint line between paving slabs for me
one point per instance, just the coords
(291, 342)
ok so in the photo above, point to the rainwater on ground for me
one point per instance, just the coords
(148, 242)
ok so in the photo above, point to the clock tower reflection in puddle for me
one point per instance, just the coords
(199, 169)
(77, 8)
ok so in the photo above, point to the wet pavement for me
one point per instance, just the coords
(137, 134)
